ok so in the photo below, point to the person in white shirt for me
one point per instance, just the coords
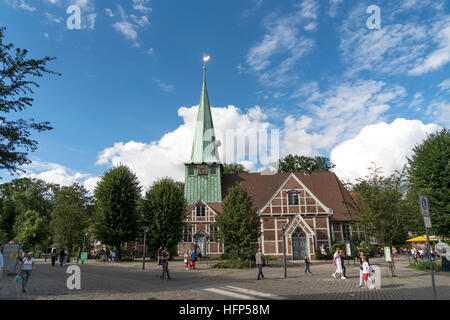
(25, 268)
(365, 270)
(337, 260)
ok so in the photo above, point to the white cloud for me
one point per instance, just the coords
(141, 5)
(440, 33)
(334, 4)
(23, 5)
(56, 173)
(163, 86)
(387, 145)
(283, 42)
(52, 18)
(130, 25)
(413, 46)
(165, 157)
(54, 1)
(445, 85)
(109, 12)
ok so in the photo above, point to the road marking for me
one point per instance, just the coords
(229, 294)
(255, 293)
(241, 293)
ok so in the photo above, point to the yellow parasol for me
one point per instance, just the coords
(423, 239)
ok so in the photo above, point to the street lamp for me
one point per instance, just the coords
(84, 246)
(145, 246)
(284, 251)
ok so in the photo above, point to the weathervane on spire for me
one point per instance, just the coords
(205, 59)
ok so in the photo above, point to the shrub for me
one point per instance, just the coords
(365, 246)
(336, 245)
(234, 264)
(425, 265)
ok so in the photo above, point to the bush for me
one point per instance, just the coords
(234, 264)
(365, 246)
(336, 245)
(425, 265)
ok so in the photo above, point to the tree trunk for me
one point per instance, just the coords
(391, 269)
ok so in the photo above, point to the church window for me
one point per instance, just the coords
(346, 233)
(200, 211)
(187, 233)
(293, 198)
(212, 233)
(213, 170)
(191, 171)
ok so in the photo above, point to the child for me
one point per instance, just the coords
(186, 260)
(365, 270)
(307, 263)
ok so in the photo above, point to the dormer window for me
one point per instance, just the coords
(213, 170)
(191, 171)
(200, 211)
(293, 198)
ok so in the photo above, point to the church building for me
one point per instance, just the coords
(310, 207)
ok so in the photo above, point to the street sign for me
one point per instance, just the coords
(427, 221)
(84, 256)
(423, 204)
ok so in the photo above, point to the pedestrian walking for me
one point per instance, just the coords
(79, 254)
(307, 263)
(259, 257)
(360, 259)
(165, 264)
(193, 259)
(53, 256)
(158, 255)
(337, 260)
(107, 254)
(343, 262)
(366, 269)
(199, 253)
(62, 256)
(186, 260)
(115, 254)
(25, 268)
(324, 252)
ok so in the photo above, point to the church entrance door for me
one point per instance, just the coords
(299, 244)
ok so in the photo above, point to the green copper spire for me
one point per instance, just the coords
(204, 148)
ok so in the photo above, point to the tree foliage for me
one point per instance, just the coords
(234, 168)
(34, 229)
(381, 210)
(429, 174)
(163, 209)
(19, 196)
(117, 195)
(71, 216)
(16, 89)
(239, 225)
(296, 163)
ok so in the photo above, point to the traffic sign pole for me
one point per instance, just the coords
(424, 211)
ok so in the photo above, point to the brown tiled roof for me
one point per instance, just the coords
(324, 185)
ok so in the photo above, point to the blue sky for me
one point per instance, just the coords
(131, 80)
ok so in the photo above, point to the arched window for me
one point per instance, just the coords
(200, 211)
(298, 233)
(187, 233)
(293, 198)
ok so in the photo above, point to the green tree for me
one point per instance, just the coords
(117, 195)
(70, 216)
(16, 88)
(34, 229)
(163, 209)
(234, 168)
(429, 174)
(381, 210)
(296, 163)
(239, 225)
(21, 195)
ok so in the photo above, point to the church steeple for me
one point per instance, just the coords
(203, 172)
(204, 148)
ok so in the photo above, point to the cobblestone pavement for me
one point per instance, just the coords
(106, 281)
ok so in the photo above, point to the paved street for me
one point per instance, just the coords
(101, 280)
